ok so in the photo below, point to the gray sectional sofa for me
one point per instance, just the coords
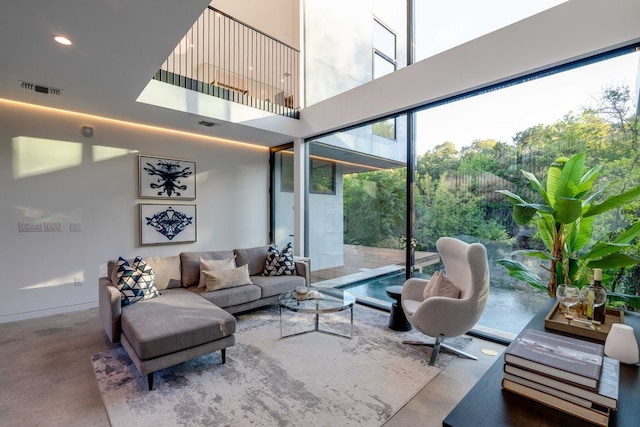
(186, 321)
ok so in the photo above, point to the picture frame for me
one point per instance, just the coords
(167, 224)
(166, 178)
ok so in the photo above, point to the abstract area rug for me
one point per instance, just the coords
(313, 379)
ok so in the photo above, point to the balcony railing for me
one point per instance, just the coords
(222, 57)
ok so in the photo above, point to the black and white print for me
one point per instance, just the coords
(162, 178)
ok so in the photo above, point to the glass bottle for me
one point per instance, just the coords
(596, 298)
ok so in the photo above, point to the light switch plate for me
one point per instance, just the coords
(29, 226)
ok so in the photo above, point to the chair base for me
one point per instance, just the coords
(437, 345)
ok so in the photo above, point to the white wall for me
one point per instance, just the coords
(93, 182)
(278, 18)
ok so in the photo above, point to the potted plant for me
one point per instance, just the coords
(564, 220)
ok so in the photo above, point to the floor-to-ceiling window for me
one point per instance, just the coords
(356, 203)
(469, 148)
(466, 149)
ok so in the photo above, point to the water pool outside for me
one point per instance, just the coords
(506, 310)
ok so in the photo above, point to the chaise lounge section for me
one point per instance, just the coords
(186, 321)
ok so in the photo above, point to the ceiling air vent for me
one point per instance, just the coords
(207, 124)
(40, 88)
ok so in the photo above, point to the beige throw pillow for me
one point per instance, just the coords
(440, 285)
(215, 265)
(167, 271)
(222, 279)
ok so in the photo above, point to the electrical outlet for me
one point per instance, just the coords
(52, 226)
(29, 226)
(78, 281)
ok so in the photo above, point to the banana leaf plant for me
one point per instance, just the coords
(564, 223)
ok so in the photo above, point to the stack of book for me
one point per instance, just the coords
(565, 373)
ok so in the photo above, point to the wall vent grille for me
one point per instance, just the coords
(207, 124)
(35, 87)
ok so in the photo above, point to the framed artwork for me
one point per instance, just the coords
(164, 223)
(162, 178)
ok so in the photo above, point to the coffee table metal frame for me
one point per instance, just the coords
(332, 301)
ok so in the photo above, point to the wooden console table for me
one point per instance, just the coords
(487, 404)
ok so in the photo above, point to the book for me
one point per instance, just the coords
(606, 395)
(565, 358)
(594, 416)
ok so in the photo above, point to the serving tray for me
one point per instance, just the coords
(556, 320)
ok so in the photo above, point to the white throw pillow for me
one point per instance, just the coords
(215, 265)
(222, 279)
(440, 285)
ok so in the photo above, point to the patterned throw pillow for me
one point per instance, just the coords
(279, 263)
(135, 281)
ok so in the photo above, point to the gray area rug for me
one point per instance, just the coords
(312, 379)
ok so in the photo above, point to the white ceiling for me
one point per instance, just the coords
(118, 47)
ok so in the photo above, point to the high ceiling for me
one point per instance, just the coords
(118, 45)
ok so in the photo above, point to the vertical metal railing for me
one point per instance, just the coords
(223, 57)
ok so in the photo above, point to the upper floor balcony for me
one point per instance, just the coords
(223, 57)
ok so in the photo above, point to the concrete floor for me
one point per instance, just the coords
(46, 376)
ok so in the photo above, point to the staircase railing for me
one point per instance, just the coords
(223, 57)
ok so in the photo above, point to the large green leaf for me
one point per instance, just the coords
(574, 266)
(582, 236)
(614, 202)
(521, 272)
(539, 207)
(587, 180)
(547, 231)
(588, 201)
(569, 180)
(533, 253)
(628, 235)
(603, 249)
(567, 210)
(553, 181)
(614, 261)
(536, 184)
(513, 198)
(522, 215)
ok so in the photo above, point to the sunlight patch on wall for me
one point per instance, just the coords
(100, 153)
(37, 156)
(73, 279)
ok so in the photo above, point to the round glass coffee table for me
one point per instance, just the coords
(318, 301)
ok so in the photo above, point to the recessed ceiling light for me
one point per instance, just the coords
(62, 40)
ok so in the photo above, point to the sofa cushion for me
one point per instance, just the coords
(176, 320)
(272, 285)
(254, 257)
(230, 278)
(230, 296)
(215, 265)
(279, 263)
(190, 264)
(135, 281)
(166, 270)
